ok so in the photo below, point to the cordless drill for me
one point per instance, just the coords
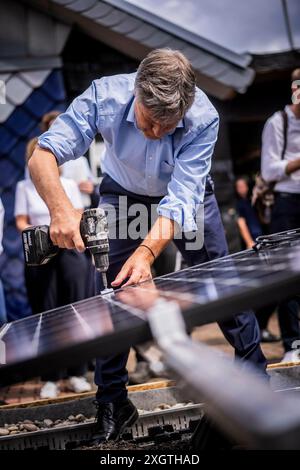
(39, 249)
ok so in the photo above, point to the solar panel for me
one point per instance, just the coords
(112, 323)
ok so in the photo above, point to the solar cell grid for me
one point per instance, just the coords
(111, 323)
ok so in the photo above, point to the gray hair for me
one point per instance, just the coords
(165, 84)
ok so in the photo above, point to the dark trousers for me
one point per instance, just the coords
(264, 314)
(242, 331)
(60, 282)
(3, 317)
(286, 216)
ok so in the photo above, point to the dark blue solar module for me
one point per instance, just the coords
(111, 323)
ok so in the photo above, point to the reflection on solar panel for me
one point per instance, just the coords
(109, 324)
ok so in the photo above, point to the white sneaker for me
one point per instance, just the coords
(49, 390)
(79, 385)
(291, 356)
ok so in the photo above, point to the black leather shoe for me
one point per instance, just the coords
(268, 337)
(112, 419)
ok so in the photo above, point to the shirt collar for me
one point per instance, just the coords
(131, 117)
(290, 113)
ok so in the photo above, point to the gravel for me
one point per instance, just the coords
(175, 445)
(36, 425)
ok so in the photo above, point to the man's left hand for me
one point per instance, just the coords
(137, 268)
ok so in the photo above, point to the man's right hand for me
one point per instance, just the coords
(65, 220)
(65, 229)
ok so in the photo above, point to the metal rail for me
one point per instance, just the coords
(149, 427)
(237, 399)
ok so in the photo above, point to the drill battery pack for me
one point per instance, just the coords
(37, 245)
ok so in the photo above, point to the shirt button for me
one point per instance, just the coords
(150, 158)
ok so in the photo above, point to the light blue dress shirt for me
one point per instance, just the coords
(174, 166)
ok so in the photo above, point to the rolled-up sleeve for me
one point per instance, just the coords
(187, 185)
(273, 168)
(72, 132)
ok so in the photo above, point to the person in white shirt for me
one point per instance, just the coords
(79, 171)
(62, 280)
(3, 317)
(280, 166)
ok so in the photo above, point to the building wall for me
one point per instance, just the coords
(30, 44)
(22, 125)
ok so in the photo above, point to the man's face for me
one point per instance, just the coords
(242, 188)
(151, 128)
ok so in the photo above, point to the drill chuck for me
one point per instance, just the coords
(94, 232)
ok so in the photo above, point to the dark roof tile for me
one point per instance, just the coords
(158, 39)
(63, 2)
(82, 5)
(127, 25)
(97, 11)
(142, 32)
(113, 18)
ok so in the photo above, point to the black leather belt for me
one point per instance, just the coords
(209, 186)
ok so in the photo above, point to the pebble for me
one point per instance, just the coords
(14, 432)
(79, 418)
(13, 428)
(162, 406)
(4, 432)
(71, 418)
(27, 421)
(67, 423)
(48, 422)
(57, 422)
(30, 427)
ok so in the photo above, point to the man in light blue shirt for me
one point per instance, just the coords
(159, 131)
(175, 163)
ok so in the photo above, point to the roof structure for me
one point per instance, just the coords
(134, 31)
